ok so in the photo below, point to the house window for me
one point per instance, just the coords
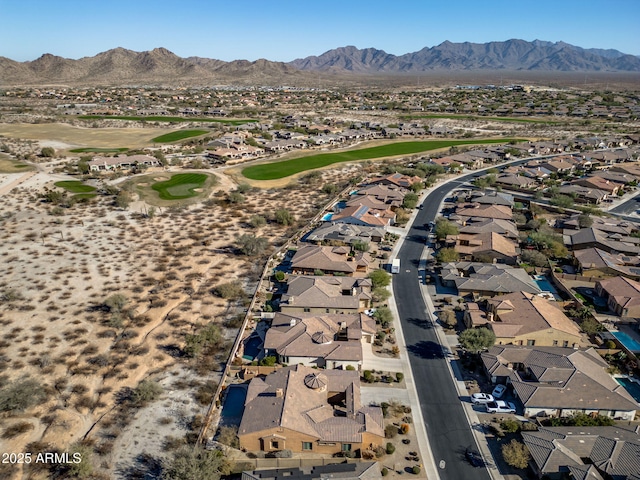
(327, 310)
(531, 343)
(307, 446)
(346, 447)
(307, 310)
(565, 344)
(275, 445)
(555, 343)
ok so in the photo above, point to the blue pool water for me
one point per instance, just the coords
(631, 344)
(327, 217)
(233, 406)
(545, 285)
(252, 348)
(632, 387)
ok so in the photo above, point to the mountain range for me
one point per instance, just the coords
(160, 66)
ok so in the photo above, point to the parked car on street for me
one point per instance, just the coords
(473, 457)
(500, 406)
(499, 391)
(481, 398)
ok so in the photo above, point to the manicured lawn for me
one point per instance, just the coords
(235, 121)
(285, 168)
(178, 135)
(75, 186)
(180, 186)
(98, 150)
(474, 117)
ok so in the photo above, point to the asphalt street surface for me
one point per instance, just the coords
(447, 427)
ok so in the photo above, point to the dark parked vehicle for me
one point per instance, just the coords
(473, 457)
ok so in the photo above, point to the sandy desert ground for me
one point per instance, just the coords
(58, 268)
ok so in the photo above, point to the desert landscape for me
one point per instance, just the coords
(99, 302)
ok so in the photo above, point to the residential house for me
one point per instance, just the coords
(467, 211)
(584, 194)
(559, 382)
(471, 246)
(594, 237)
(585, 453)
(487, 280)
(346, 233)
(396, 180)
(326, 294)
(306, 410)
(522, 318)
(492, 198)
(596, 182)
(593, 262)
(122, 161)
(365, 215)
(310, 259)
(391, 197)
(505, 228)
(509, 180)
(324, 341)
(622, 295)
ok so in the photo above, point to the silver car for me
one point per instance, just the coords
(481, 398)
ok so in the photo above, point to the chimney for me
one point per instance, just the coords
(279, 392)
(490, 316)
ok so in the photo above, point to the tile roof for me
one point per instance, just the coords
(560, 378)
(282, 399)
(326, 292)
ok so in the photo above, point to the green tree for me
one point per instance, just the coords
(146, 392)
(257, 221)
(196, 463)
(123, 200)
(21, 394)
(516, 454)
(446, 255)
(82, 469)
(380, 294)
(564, 201)
(236, 198)
(410, 201)
(116, 302)
(585, 220)
(444, 227)
(330, 189)
(476, 340)
(379, 278)
(251, 245)
(284, 217)
(360, 246)
(230, 290)
(534, 257)
(383, 316)
(48, 152)
(83, 166)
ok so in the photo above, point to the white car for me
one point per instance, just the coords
(500, 406)
(498, 392)
(481, 398)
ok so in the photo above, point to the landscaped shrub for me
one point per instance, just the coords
(384, 471)
(399, 377)
(416, 470)
(510, 426)
(404, 428)
(390, 431)
(390, 448)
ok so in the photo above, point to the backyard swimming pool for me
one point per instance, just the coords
(545, 285)
(327, 217)
(630, 344)
(630, 386)
(233, 406)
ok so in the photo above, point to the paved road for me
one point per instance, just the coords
(447, 426)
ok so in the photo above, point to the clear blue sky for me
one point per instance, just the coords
(283, 30)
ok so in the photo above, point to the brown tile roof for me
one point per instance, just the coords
(561, 378)
(326, 292)
(484, 211)
(525, 313)
(625, 291)
(330, 259)
(307, 410)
